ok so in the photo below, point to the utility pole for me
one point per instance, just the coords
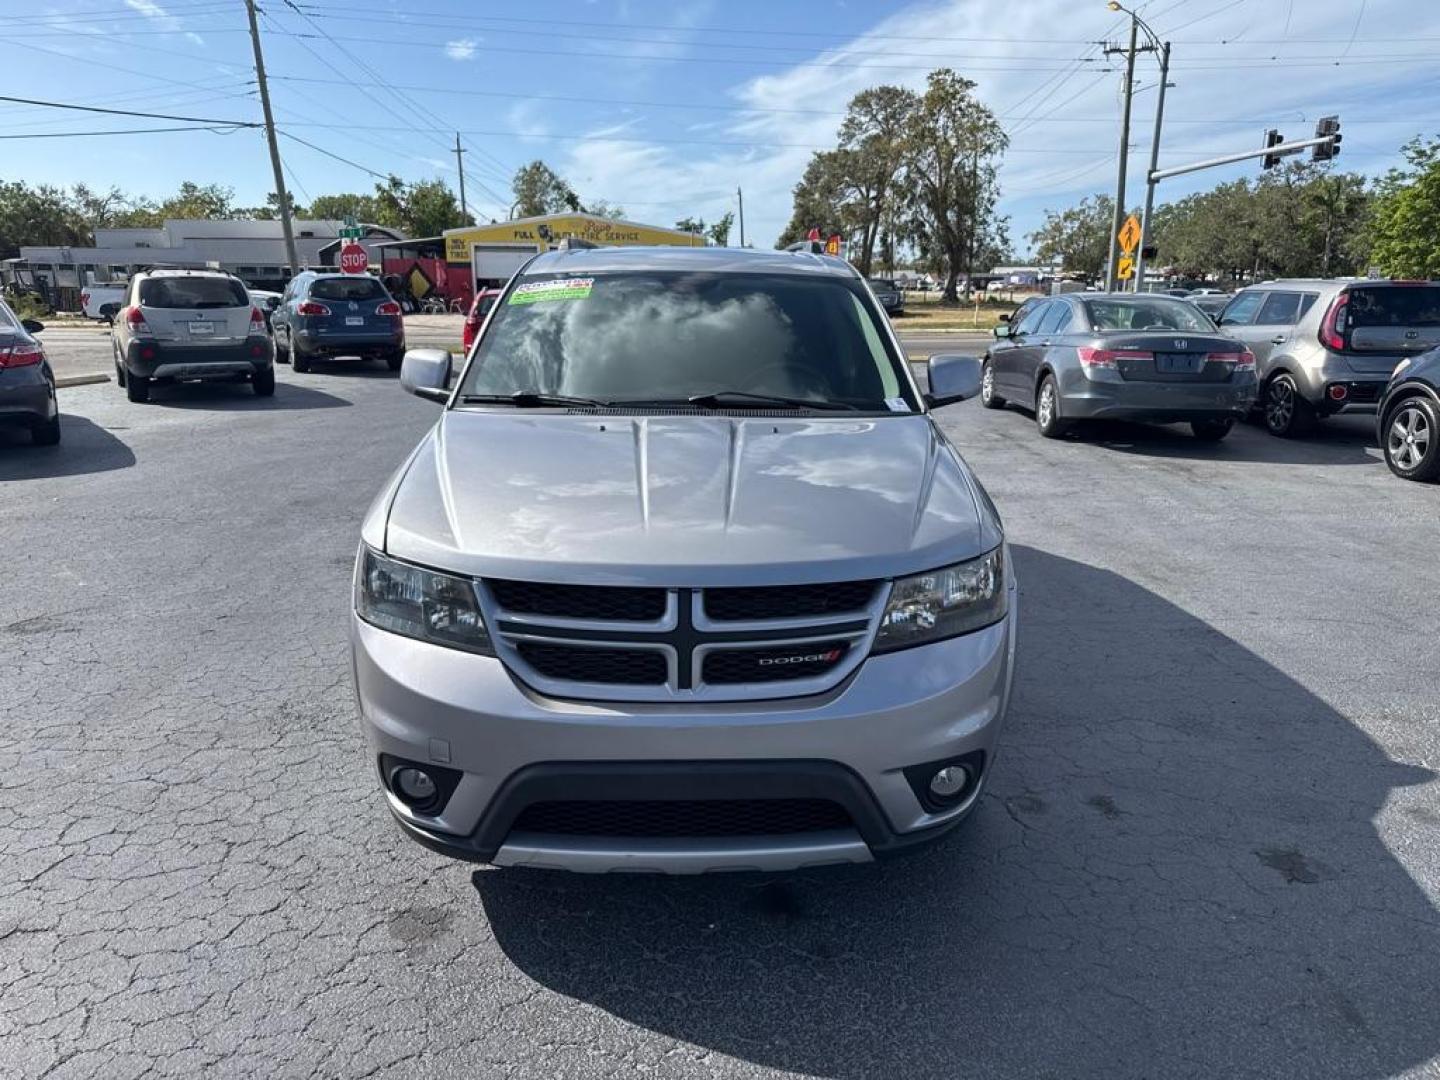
(740, 195)
(460, 162)
(1119, 215)
(285, 223)
(974, 221)
(1149, 174)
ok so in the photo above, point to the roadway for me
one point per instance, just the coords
(1210, 847)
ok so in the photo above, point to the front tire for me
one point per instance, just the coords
(1211, 431)
(137, 388)
(46, 432)
(1047, 410)
(263, 382)
(1287, 413)
(1412, 440)
(299, 362)
(988, 397)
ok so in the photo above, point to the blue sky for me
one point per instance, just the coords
(666, 106)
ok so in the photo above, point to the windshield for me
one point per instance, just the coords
(348, 288)
(671, 336)
(1146, 313)
(1394, 305)
(193, 292)
(7, 323)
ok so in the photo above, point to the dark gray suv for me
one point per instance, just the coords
(27, 385)
(1326, 347)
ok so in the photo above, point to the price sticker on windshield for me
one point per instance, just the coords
(535, 292)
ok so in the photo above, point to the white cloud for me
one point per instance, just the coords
(162, 18)
(460, 48)
(1235, 72)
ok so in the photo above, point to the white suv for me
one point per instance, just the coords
(180, 325)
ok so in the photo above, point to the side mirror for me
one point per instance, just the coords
(1004, 330)
(426, 373)
(272, 302)
(108, 312)
(1005, 318)
(32, 326)
(952, 378)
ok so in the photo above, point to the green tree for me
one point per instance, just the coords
(539, 189)
(604, 209)
(719, 232)
(36, 215)
(872, 141)
(348, 204)
(691, 225)
(951, 143)
(1078, 238)
(430, 208)
(819, 199)
(1406, 230)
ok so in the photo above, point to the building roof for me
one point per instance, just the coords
(710, 259)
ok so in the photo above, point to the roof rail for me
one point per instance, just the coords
(575, 243)
(807, 247)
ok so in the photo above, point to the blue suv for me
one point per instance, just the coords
(324, 315)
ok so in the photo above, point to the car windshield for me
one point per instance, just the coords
(673, 336)
(192, 293)
(1394, 305)
(347, 288)
(881, 283)
(1147, 313)
(7, 322)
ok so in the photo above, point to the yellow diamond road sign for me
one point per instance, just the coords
(1125, 268)
(1130, 234)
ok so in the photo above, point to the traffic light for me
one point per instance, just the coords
(1272, 138)
(1326, 126)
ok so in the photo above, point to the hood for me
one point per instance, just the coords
(686, 500)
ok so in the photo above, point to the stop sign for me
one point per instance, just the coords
(353, 259)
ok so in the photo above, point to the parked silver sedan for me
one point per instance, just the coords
(27, 385)
(1118, 356)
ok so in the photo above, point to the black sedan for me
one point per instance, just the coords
(1408, 422)
(890, 295)
(1118, 356)
(27, 385)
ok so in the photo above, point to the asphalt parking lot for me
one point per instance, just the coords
(1211, 845)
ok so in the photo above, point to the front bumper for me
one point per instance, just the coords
(429, 704)
(164, 360)
(1106, 396)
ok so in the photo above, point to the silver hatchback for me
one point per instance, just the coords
(1328, 347)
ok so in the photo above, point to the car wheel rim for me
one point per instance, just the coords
(1409, 437)
(1280, 404)
(987, 384)
(1047, 405)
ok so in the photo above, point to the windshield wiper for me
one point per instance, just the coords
(532, 399)
(721, 398)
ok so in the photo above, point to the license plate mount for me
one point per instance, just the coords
(202, 329)
(1179, 363)
(354, 320)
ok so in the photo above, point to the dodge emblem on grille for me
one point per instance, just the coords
(804, 658)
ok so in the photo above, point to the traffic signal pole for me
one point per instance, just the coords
(1280, 149)
(286, 225)
(1150, 173)
(1119, 214)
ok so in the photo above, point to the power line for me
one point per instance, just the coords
(120, 131)
(128, 112)
(332, 154)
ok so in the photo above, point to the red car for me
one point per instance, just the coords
(479, 308)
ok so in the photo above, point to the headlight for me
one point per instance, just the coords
(944, 603)
(420, 603)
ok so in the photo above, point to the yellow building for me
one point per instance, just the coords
(485, 256)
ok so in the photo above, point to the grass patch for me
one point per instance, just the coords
(925, 312)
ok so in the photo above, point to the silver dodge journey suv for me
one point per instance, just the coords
(685, 578)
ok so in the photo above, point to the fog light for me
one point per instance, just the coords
(1339, 393)
(415, 786)
(949, 781)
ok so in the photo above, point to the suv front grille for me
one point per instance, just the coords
(602, 602)
(787, 601)
(684, 819)
(730, 643)
(730, 666)
(578, 663)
